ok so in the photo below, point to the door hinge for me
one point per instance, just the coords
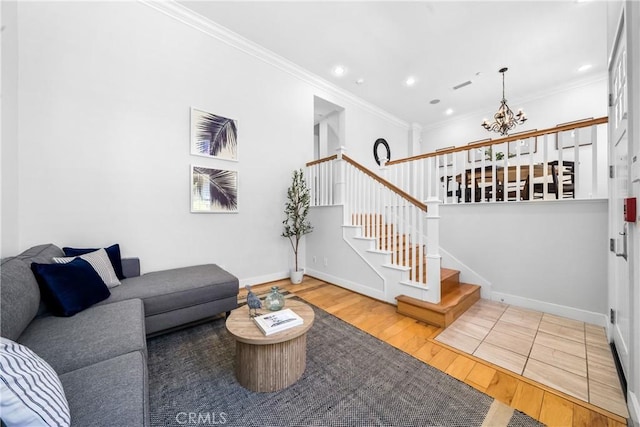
(611, 172)
(612, 316)
(610, 100)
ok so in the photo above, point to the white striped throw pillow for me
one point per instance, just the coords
(100, 262)
(31, 391)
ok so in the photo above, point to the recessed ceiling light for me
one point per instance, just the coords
(448, 111)
(434, 101)
(410, 81)
(360, 81)
(585, 67)
(339, 70)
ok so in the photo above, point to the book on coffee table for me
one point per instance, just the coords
(277, 321)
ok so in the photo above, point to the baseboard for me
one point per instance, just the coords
(547, 307)
(348, 284)
(634, 408)
(467, 274)
(263, 279)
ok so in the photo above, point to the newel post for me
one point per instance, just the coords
(433, 249)
(339, 178)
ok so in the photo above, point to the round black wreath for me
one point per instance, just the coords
(375, 149)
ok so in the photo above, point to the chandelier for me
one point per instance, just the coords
(505, 120)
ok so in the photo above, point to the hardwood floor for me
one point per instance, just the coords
(549, 406)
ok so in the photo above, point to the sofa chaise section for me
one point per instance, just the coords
(179, 296)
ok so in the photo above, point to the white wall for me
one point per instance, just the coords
(550, 256)
(330, 257)
(9, 242)
(103, 124)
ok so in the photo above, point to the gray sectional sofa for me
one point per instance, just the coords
(99, 353)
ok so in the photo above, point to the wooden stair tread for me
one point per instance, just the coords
(453, 304)
(447, 273)
(448, 301)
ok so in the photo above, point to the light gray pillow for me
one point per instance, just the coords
(100, 262)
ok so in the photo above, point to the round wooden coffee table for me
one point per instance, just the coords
(269, 363)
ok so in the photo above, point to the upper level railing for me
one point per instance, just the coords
(568, 161)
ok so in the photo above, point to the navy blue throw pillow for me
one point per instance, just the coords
(70, 288)
(113, 252)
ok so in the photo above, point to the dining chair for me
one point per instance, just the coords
(537, 185)
(563, 175)
(450, 185)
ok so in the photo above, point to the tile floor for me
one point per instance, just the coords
(567, 355)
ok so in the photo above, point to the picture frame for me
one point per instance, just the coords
(479, 152)
(569, 137)
(213, 136)
(213, 190)
(447, 160)
(526, 146)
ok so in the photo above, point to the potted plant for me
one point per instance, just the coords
(296, 224)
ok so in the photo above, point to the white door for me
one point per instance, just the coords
(619, 289)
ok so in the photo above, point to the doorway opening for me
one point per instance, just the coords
(328, 128)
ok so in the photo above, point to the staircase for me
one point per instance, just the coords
(397, 236)
(409, 258)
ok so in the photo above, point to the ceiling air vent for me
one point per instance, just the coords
(461, 85)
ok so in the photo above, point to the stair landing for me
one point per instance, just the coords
(454, 301)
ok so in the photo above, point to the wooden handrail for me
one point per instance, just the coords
(518, 137)
(326, 159)
(386, 183)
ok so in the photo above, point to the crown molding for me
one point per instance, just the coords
(523, 100)
(194, 20)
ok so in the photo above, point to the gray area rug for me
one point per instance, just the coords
(351, 379)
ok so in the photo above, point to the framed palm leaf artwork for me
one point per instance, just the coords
(213, 190)
(213, 135)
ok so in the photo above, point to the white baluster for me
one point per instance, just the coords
(472, 178)
(576, 163)
(415, 244)
(405, 233)
(545, 166)
(518, 176)
(332, 182)
(594, 162)
(430, 178)
(483, 160)
(494, 178)
(420, 222)
(530, 142)
(371, 210)
(559, 185)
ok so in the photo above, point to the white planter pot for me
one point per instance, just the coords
(296, 276)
